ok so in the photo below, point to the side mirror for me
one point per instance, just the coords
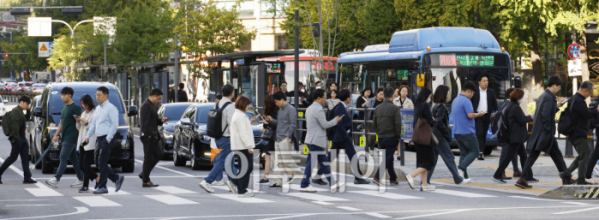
(37, 112)
(186, 121)
(132, 110)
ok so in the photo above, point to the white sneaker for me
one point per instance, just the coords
(591, 181)
(410, 181)
(596, 170)
(336, 187)
(206, 186)
(53, 182)
(464, 181)
(461, 173)
(428, 187)
(232, 187)
(308, 189)
(219, 183)
(77, 184)
(247, 194)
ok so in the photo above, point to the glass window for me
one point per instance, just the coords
(304, 74)
(56, 103)
(202, 116)
(269, 8)
(174, 112)
(248, 82)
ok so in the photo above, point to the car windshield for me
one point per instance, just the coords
(56, 102)
(175, 112)
(39, 85)
(12, 85)
(202, 114)
(28, 84)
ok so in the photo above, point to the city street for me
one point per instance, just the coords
(180, 197)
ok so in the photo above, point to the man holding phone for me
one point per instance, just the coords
(149, 135)
(67, 129)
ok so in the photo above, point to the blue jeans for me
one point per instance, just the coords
(218, 165)
(390, 145)
(68, 153)
(468, 145)
(102, 153)
(444, 151)
(321, 158)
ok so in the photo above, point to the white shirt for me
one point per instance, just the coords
(482, 103)
(227, 115)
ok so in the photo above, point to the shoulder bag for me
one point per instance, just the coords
(423, 132)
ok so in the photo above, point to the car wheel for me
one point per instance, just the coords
(129, 167)
(195, 165)
(46, 167)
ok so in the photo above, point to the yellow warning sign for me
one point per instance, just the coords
(44, 48)
(306, 150)
(300, 114)
(377, 138)
(362, 141)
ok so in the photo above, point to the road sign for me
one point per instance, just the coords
(574, 51)
(39, 27)
(44, 49)
(574, 67)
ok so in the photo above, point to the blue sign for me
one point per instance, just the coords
(50, 48)
(407, 120)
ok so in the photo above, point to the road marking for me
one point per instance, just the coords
(12, 167)
(164, 168)
(22, 200)
(387, 195)
(488, 185)
(173, 190)
(288, 216)
(374, 214)
(524, 197)
(171, 200)
(111, 192)
(574, 211)
(348, 208)
(434, 214)
(30, 205)
(322, 203)
(96, 201)
(364, 186)
(234, 197)
(462, 194)
(43, 192)
(316, 197)
(576, 203)
(80, 210)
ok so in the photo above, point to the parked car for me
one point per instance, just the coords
(11, 87)
(190, 139)
(31, 133)
(2, 108)
(38, 88)
(173, 111)
(24, 86)
(123, 151)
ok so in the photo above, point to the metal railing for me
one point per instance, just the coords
(13, 96)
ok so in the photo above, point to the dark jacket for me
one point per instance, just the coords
(149, 120)
(305, 103)
(359, 102)
(423, 110)
(17, 117)
(491, 100)
(343, 126)
(387, 120)
(272, 127)
(543, 129)
(181, 96)
(441, 128)
(517, 121)
(581, 115)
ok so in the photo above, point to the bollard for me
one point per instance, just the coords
(569, 151)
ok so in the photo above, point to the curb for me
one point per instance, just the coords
(573, 192)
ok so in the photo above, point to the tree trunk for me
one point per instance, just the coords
(537, 66)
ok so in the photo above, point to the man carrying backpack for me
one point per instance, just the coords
(581, 115)
(224, 142)
(15, 120)
(543, 130)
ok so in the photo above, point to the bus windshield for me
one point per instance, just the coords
(455, 77)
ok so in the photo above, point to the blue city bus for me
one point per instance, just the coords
(448, 56)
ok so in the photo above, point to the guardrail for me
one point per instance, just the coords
(13, 96)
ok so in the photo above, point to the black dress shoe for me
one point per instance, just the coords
(566, 179)
(141, 175)
(29, 181)
(361, 181)
(150, 184)
(481, 157)
(319, 182)
(504, 177)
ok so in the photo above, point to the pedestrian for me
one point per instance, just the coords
(483, 101)
(443, 133)
(171, 93)
(67, 129)
(464, 128)
(342, 139)
(581, 115)
(283, 87)
(424, 154)
(363, 100)
(104, 126)
(150, 137)
(286, 124)
(332, 101)
(517, 132)
(402, 99)
(86, 149)
(332, 87)
(219, 177)
(181, 94)
(373, 103)
(316, 139)
(317, 85)
(18, 142)
(505, 146)
(543, 131)
(242, 143)
(270, 109)
(593, 165)
(302, 96)
(387, 124)
(223, 143)
(218, 98)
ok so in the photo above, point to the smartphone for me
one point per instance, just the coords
(342, 116)
(76, 116)
(169, 118)
(564, 102)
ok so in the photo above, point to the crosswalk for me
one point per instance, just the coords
(172, 195)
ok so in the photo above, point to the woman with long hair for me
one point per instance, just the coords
(332, 101)
(443, 133)
(363, 100)
(86, 155)
(424, 154)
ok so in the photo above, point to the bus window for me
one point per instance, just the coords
(453, 78)
(498, 79)
(304, 74)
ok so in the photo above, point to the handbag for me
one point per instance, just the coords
(266, 134)
(423, 133)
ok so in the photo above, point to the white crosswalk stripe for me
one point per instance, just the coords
(96, 201)
(234, 197)
(111, 192)
(42, 192)
(174, 190)
(315, 197)
(171, 200)
(387, 195)
(460, 193)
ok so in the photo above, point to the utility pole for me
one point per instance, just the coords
(177, 75)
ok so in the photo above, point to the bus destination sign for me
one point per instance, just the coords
(466, 60)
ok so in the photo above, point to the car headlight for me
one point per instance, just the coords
(125, 144)
(167, 134)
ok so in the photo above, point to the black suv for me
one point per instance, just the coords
(48, 114)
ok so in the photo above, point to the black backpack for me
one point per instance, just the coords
(6, 121)
(565, 125)
(331, 130)
(214, 127)
(499, 125)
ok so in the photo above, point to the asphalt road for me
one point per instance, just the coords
(179, 197)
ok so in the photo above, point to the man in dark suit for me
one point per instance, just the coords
(342, 139)
(181, 94)
(150, 136)
(483, 100)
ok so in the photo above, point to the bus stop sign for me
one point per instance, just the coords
(574, 51)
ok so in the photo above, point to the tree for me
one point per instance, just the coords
(205, 29)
